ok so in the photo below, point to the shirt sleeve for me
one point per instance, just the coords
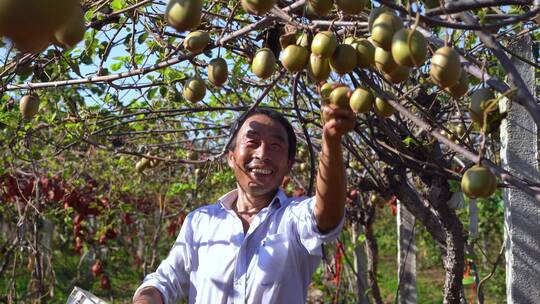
(172, 276)
(308, 233)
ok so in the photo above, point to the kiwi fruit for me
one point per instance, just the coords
(320, 8)
(30, 24)
(309, 11)
(478, 104)
(264, 63)
(302, 153)
(384, 28)
(361, 100)
(196, 41)
(71, 32)
(365, 53)
(257, 7)
(409, 55)
(24, 70)
(218, 71)
(351, 7)
(29, 106)
(325, 90)
(478, 182)
(154, 163)
(375, 12)
(384, 61)
(303, 40)
(398, 75)
(340, 96)
(294, 58)
(343, 60)
(445, 68)
(194, 89)
(142, 164)
(459, 130)
(33, 45)
(461, 87)
(383, 108)
(184, 15)
(319, 68)
(324, 44)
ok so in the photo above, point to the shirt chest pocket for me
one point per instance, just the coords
(272, 259)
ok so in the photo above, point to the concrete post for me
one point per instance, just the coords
(406, 256)
(519, 153)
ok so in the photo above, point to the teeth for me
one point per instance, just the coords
(261, 171)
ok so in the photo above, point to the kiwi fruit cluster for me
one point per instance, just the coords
(392, 49)
(45, 22)
(217, 69)
(398, 49)
(185, 15)
(359, 100)
(320, 55)
(145, 163)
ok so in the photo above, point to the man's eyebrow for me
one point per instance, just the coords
(279, 137)
(251, 132)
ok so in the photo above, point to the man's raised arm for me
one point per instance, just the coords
(331, 179)
(170, 281)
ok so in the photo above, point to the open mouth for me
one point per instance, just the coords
(261, 171)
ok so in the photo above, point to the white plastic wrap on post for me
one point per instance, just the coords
(519, 152)
(406, 256)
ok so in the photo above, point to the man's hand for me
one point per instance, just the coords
(338, 122)
(331, 179)
(148, 295)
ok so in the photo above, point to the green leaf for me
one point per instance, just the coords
(410, 141)
(455, 186)
(139, 58)
(470, 256)
(116, 66)
(468, 280)
(142, 38)
(117, 5)
(151, 93)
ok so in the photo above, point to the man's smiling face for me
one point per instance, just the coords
(260, 157)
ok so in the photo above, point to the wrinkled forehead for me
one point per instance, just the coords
(263, 126)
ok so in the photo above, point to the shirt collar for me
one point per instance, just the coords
(226, 201)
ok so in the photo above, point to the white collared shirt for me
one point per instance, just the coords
(212, 261)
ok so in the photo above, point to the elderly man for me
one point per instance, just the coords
(255, 244)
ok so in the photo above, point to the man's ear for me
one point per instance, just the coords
(230, 159)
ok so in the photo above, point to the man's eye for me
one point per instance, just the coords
(276, 147)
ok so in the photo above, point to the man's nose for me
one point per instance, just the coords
(262, 152)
